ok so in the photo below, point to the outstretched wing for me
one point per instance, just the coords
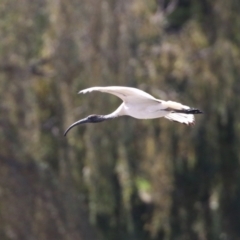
(127, 94)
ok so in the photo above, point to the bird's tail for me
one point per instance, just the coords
(181, 118)
(180, 113)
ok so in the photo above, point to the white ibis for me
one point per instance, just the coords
(141, 105)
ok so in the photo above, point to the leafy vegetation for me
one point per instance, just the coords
(127, 178)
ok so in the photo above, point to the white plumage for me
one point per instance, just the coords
(141, 105)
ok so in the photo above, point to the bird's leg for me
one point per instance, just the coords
(186, 111)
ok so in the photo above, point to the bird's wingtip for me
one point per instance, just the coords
(84, 91)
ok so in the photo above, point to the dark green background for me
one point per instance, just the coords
(125, 179)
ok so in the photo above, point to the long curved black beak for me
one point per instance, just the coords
(84, 120)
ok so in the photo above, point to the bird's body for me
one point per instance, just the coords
(141, 105)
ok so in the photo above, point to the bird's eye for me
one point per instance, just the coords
(91, 117)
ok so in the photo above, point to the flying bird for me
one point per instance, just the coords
(141, 105)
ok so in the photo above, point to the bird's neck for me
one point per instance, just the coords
(100, 118)
(108, 117)
(117, 113)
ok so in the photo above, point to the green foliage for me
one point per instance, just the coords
(127, 178)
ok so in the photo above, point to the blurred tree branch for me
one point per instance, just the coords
(35, 67)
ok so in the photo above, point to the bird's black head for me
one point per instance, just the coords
(89, 119)
(95, 118)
